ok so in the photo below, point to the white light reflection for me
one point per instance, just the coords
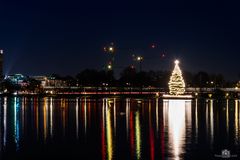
(177, 117)
(157, 124)
(16, 121)
(115, 117)
(196, 119)
(5, 121)
(138, 135)
(103, 130)
(85, 116)
(77, 118)
(1, 129)
(23, 112)
(207, 117)
(211, 122)
(127, 115)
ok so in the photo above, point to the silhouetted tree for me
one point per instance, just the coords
(69, 80)
(95, 78)
(142, 79)
(217, 79)
(8, 85)
(33, 85)
(88, 77)
(201, 79)
(188, 77)
(128, 76)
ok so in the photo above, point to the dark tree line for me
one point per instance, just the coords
(130, 77)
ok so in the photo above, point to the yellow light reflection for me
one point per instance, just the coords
(51, 117)
(45, 118)
(63, 111)
(138, 135)
(109, 133)
(236, 122)
(36, 116)
(227, 118)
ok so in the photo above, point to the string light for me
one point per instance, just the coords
(176, 83)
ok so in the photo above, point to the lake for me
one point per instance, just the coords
(118, 128)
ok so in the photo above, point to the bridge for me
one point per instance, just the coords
(128, 90)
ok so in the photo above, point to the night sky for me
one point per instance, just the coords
(65, 37)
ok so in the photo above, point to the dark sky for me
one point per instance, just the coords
(66, 37)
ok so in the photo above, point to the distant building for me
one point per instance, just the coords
(1, 64)
(49, 81)
(18, 79)
(42, 79)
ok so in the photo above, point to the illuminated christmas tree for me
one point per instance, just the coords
(176, 83)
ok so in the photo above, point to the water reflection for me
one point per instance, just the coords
(127, 115)
(5, 121)
(211, 121)
(151, 133)
(17, 122)
(45, 118)
(121, 128)
(77, 118)
(157, 117)
(135, 131)
(85, 115)
(36, 116)
(196, 120)
(107, 135)
(177, 117)
(236, 116)
(51, 117)
(227, 118)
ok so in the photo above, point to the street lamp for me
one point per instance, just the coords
(140, 59)
(109, 67)
(110, 50)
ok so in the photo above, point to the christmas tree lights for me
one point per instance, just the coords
(176, 83)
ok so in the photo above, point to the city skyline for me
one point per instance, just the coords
(66, 38)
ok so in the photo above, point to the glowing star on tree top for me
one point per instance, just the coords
(176, 61)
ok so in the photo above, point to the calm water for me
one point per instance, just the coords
(117, 128)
